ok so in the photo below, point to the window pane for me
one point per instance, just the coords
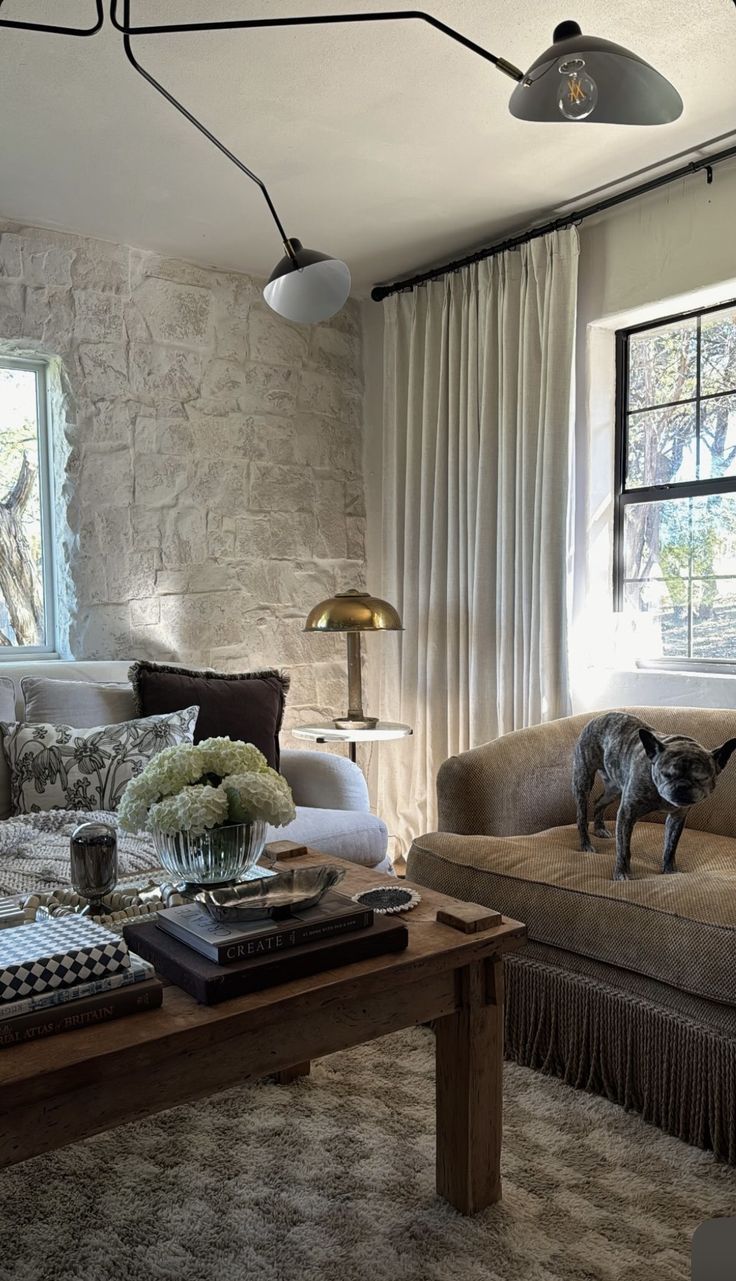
(662, 616)
(21, 570)
(663, 365)
(682, 551)
(718, 352)
(661, 446)
(718, 437)
(714, 618)
(657, 539)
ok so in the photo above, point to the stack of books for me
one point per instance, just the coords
(70, 973)
(214, 961)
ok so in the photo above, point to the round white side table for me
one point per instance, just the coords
(326, 732)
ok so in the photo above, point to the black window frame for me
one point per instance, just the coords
(658, 493)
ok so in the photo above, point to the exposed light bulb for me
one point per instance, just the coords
(578, 92)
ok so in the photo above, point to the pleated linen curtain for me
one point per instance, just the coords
(477, 430)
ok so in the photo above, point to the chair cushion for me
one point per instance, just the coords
(248, 705)
(678, 929)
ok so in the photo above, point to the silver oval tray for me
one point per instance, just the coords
(273, 896)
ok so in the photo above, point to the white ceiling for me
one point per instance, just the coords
(385, 144)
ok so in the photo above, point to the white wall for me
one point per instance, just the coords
(208, 459)
(664, 253)
(667, 252)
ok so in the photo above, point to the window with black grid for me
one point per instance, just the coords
(675, 511)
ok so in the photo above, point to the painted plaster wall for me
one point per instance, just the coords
(208, 468)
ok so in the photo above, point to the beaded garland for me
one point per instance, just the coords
(124, 905)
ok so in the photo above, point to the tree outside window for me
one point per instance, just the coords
(26, 615)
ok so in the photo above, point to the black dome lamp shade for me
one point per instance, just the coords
(585, 78)
(306, 286)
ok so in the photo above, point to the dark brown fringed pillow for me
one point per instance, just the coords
(246, 706)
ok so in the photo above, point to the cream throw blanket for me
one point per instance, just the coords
(34, 850)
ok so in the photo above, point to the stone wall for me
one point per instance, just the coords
(207, 457)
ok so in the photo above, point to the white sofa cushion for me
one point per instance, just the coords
(355, 835)
(324, 780)
(81, 703)
(59, 669)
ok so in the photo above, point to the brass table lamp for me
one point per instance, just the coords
(354, 612)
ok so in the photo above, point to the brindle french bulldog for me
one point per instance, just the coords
(668, 773)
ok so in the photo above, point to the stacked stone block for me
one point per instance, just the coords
(207, 459)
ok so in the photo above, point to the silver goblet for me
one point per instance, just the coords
(93, 858)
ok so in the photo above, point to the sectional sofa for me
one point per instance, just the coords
(330, 792)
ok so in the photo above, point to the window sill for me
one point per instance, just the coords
(703, 667)
(20, 655)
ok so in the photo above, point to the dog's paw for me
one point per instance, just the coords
(588, 848)
(603, 832)
(620, 875)
(668, 871)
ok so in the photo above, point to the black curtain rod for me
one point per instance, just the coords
(568, 220)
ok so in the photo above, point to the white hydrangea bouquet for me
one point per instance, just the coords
(190, 788)
(207, 806)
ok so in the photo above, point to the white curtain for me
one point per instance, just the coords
(477, 422)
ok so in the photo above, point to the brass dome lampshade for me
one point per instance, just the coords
(354, 612)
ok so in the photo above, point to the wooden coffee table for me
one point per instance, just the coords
(56, 1091)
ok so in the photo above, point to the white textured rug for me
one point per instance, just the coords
(332, 1179)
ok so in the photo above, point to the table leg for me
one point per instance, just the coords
(287, 1075)
(469, 1091)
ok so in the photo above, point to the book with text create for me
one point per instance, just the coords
(225, 943)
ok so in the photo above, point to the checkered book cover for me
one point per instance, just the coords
(57, 954)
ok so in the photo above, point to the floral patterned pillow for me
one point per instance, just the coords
(56, 767)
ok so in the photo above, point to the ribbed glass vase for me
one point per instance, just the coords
(213, 857)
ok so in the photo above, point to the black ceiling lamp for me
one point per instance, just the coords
(579, 78)
(585, 78)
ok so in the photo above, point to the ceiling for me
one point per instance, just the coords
(387, 145)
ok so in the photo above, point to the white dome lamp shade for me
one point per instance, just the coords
(306, 286)
(584, 78)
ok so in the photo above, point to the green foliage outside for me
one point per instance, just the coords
(688, 545)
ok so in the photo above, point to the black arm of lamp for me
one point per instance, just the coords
(305, 286)
(578, 78)
(58, 31)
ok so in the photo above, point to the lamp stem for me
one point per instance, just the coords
(61, 31)
(325, 19)
(198, 125)
(355, 678)
(356, 717)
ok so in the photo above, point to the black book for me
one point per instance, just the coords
(83, 1012)
(210, 983)
(241, 941)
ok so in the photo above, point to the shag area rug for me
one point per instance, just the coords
(332, 1179)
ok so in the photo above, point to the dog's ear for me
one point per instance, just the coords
(722, 754)
(650, 743)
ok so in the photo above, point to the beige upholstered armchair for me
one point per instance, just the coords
(520, 783)
(626, 988)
